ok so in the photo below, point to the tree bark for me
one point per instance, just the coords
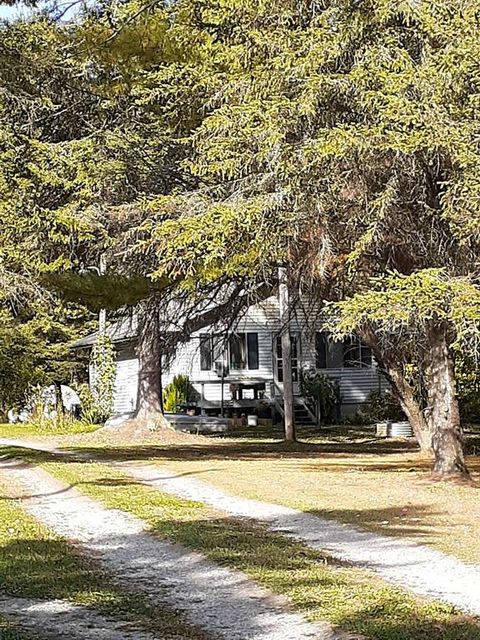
(288, 398)
(401, 389)
(406, 396)
(149, 396)
(443, 413)
(59, 406)
(436, 422)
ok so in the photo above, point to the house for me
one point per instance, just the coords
(244, 370)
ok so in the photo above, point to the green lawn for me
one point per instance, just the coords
(46, 429)
(319, 587)
(345, 474)
(35, 563)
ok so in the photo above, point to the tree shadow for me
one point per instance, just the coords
(316, 583)
(320, 586)
(47, 569)
(26, 570)
(411, 521)
(220, 450)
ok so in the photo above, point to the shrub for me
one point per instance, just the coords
(380, 407)
(104, 369)
(90, 412)
(179, 391)
(321, 392)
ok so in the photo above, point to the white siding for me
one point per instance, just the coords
(355, 384)
(126, 380)
(187, 362)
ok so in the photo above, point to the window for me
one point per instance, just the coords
(355, 353)
(331, 354)
(243, 350)
(252, 346)
(206, 359)
(237, 350)
(321, 350)
(294, 340)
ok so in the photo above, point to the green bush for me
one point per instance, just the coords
(90, 412)
(321, 393)
(104, 369)
(380, 407)
(179, 391)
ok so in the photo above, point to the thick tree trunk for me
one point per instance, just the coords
(436, 426)
(401, 389)
(149, 396)
(443, 413)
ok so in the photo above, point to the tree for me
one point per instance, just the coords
(41, 208)
(339, 139)
(415, 324)
(35, 350)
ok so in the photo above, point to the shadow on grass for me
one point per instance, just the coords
(45, 569)
(9, 632)
(412, 520)
(320, 588)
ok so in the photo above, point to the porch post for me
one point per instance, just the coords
(288, 403)
(102, 316)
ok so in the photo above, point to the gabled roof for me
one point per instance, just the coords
(176, 321)
(123, 330)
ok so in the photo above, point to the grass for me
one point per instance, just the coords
(48, 428)
(35, 563)
(347, 475)
(351, 599)
(9, 632)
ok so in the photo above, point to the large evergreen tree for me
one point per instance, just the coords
(341, 138)
(45, 223)
(219, 140)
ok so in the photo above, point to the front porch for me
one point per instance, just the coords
(236, 396)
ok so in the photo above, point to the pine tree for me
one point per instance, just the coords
(340, 138)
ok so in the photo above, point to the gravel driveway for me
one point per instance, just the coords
(57, 620)
(415, 567)
(219, 600)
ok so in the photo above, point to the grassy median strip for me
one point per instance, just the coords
(347, 475)
(35, 563)
(351, 599)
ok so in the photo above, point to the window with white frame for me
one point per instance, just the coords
(335, 354)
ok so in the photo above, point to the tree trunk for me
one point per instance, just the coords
(437, 426)
(401, 390)
(443, 413)
(59, 406)
(149, 396)
(406, 396)
(288, 398)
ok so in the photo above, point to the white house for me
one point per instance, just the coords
(246, 367)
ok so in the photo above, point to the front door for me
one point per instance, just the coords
(278, 357)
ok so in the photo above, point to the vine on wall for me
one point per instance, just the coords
(104, 367)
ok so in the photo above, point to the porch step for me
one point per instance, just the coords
(302, 417)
